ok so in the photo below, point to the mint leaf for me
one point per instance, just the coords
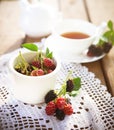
(77, 83)
(30, 46)
(110, 25)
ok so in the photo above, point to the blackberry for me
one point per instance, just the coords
(30, 68)
(98, 51)
(106, 47)
(18, 70)
(91, 50)
(95, 50)
(69, 85)
(60, 114)
(92, 47)
(51, 95)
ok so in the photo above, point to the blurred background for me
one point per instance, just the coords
(12, 34)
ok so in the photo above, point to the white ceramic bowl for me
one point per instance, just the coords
(32, 89)
(68, 46)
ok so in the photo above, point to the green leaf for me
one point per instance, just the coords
(107, 34)
(49, 54)
(77, 83)
(112, 37)
(30, 46)
(113, 43)
(35, 68)
(100, 43)
(47, 51)
(110, 25)
(104, 39)
(74, 93)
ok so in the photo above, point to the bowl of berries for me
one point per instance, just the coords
(34, 73)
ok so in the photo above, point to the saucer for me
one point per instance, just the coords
(80, 58)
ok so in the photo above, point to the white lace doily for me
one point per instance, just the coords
(93, 107)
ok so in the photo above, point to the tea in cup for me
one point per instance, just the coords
(71, 37)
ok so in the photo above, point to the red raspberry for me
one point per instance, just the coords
(38, 72)
(50, 108)
(49, 63)
(36, 64)
(49, 71)
(60, 102)
(90, 54)
(68, 110)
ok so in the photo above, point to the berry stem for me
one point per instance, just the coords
(24, 63)
(37, 56)
(62, 91)
(41, 59)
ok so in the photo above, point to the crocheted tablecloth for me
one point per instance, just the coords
(93, 106)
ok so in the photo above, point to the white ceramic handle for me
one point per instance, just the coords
(100, 30)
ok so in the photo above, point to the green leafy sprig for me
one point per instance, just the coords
(49, 54)
(76, 86)
(104, 43)
(108, 36)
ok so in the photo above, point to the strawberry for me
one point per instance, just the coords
(38, 72)
(68, 110)
(49, 63)
(50, 108)
(60, 102)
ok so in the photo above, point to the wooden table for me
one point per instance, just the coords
(95, 11)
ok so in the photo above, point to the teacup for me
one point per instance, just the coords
(70, 46)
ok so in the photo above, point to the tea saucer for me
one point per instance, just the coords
(66, 57)
(82, 58)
